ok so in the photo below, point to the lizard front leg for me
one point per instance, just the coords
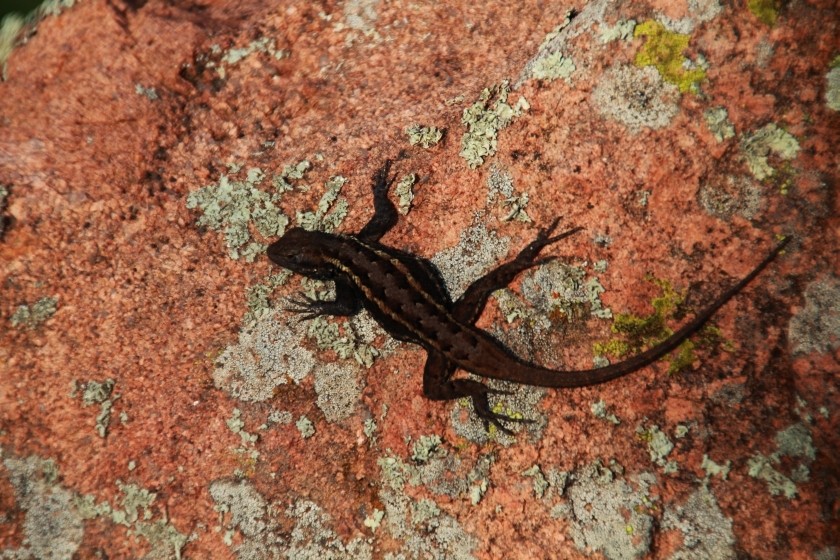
(346, 303)
(471, 304)
(384, 213)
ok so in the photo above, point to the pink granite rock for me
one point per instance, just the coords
(157, 400)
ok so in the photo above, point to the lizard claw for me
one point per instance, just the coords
(487, 416)
(307, 307)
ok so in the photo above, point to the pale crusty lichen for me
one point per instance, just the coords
(636, 97)
(267, 355)
(233, 207)
(339, 388)
(816, 326)
(794, 442)
(832, 86)
(476, 252)
(759, 146)
(706, 531)
(484, 119)
(717, 119)
(730, 195)
(30, 316)
(423, 136)
(605, 513)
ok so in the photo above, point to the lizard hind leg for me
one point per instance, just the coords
(478, 393)
(438, 385)
(471, 304)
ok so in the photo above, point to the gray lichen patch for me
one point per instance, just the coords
(564, 288)
(52, 526)
(500, 184)
(99, 392)
(717, 119)
(606, 514)
(484, 119)
(706, 532)
(832, 86)
(621, 31)
(423, 529)
(794, 442)
(305, 427)
(423, 136)
(636, 97)
(726, 196)
(267, 355)
(816, 327)
(553, 66)
(405, 193)
(54, 521)
(476, 252)
(234, 207)
(339, 388)
(331, 209)
(659, 447)
(30, 316)
(263, 527)
(766, 142)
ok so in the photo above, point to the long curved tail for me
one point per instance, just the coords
(530, 374)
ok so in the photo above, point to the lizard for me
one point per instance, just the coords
(407, 296)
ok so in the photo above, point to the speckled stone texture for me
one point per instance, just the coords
(158, 400)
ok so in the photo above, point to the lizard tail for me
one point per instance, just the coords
(530, 374)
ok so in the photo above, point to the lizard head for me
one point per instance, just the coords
(303, 252)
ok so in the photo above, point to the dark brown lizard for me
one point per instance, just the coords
(406, 295)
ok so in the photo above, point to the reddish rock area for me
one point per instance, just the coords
(158, 399)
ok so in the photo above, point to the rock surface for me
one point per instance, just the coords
(156, 399)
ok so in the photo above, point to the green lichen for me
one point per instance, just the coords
(767, 11)
(258, 296)
(99, 392)
(234, 208)
(793, 442)
(664, 50)
(832, 86)
(539, 482)
(30, 316)
(484, 119)
(331, 209)
(714, 469)
(717, 119)
(552, 67)
(659, 447)
(305, 427)
(404, 193)
(768, 141)
(599, 410)
(622, 30)
(640, 331)
(423, 136)
(425, 448)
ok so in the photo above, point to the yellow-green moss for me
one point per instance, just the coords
(639, 332)
(765, 10)
(664, 51)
